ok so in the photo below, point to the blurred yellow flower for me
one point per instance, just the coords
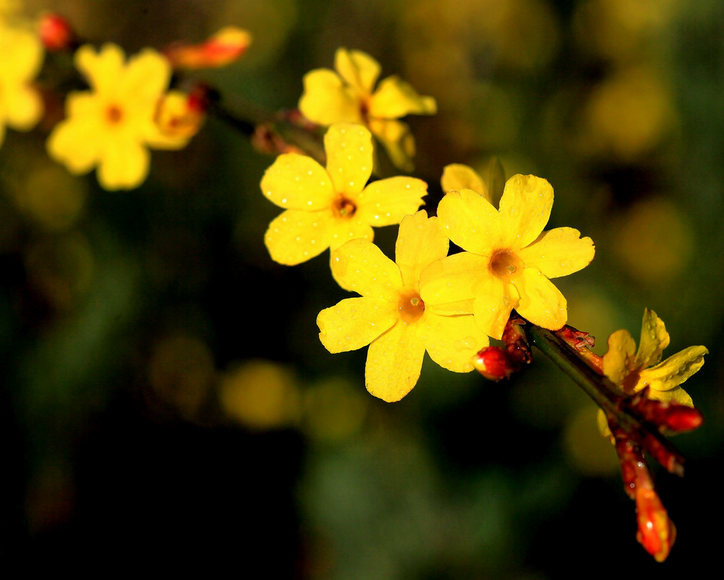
(348, 95)
(634, 370)
(508, 259)
(113, 125)
(457, 176)
(327, 207)
(22, 57)
(391, 317)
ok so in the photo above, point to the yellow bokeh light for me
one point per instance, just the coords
(586, 449)
(261, 395)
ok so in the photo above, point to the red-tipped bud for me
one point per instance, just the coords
(55, 32)
(656, 532)
(179, 116)
(223, 48)
(494, 363)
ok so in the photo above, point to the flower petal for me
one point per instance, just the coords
(296, 236)
(359, 69)
(558, 252)
(470, 221)
(76, 144)
(349, 156)
(296, 181)
(144, 80)
(23, 106)
(420, 242)
(327, 100)
(447, 285)
(540, 301)
(101, 69)
(386, 201)
(452, 341)
(397, 140)
(394, 361)
(524, 209)
(354, 323)
(342, 230)
(360, 266)
(672, 372)
(494, 300)
(619, 359)
(654, 339)
(396, 98)
(457, 176)
(677, 395)
(124, 164)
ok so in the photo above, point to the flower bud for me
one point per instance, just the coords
(55, 32)
(494, 363)
(221, 49)
(656, 532)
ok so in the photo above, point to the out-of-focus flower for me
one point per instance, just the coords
(457, 176)
(634, 370)
(391, 317)
(179, 115)
(327, 207)
(221, 49)
(22, 56)
(55, 32)
(509, 259)
(113, 125)
(349, 95)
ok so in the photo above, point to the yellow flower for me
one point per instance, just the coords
(457, 176)
(391, 317)
(509, 259)
(22, 57)
(348, 95)
(112, 125)
(327, 207)
(634, 370)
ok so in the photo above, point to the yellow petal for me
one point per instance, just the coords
(619, 359)
(344, 230)
(397, 139)
(23, 106)
(296, 236)
(124, 164)
(354, 323)
(654, 339)
(145, 79)
(540, 301)
(457, 176)
(558, 252)
(386, 201)
(524, 209)
(394, 361)
(677, 395)
(674, 370)
(470, 221)
(396, 98)
(298, 182)
(452, 341)
(447, 285)
(494, 301)
(102, 69)
(76, 144)
(349, 156)
(420, 242)
(360, 266)
(603, 424)
(359, 69)
(327, 100)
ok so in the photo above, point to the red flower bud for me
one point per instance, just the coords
(494, 363)
(55, 32)
(656, 532)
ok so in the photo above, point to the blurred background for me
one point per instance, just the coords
(165, 398)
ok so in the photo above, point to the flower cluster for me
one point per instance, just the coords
(426, 300)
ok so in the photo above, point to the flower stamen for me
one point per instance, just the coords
(504, 264)
(411, 307)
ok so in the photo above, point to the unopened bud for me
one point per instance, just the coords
(55, 32)
(221, 49)
(494, 363)
(179, 115)
(656, 532)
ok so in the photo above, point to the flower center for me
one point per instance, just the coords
(114, 114)
(343, 207)
(504, 264)
(410, 307)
